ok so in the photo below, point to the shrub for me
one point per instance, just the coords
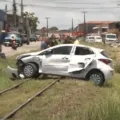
(117, 67)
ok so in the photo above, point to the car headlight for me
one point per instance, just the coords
(19, 63)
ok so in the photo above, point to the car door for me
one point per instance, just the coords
(58, 61)
(81, 58)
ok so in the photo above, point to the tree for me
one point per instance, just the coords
(53, 28)
(33, 20)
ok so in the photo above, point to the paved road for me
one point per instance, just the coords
(25, 48)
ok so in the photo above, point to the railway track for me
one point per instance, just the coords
(12, 88)
(11, 114)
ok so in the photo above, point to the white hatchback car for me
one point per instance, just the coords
(71, 60)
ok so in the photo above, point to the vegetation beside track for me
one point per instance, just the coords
(68, 100)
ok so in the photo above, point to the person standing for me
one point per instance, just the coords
(76, 41)
(44, 44)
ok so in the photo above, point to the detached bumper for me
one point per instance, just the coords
(13, 73)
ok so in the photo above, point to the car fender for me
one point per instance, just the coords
(33, 59)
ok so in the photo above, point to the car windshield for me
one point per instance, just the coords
(91, 37)
(111, 36)
(98, 37)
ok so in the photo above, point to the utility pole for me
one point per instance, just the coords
(6, 10)
(14, 12)
(22, 11)
(28, 27)
(84, 12)
(47, 18)
(72, 25)
(21, 18)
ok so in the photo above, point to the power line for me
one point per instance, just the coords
(64, 2)
(60, 7)
(91, 3)
(57, 7)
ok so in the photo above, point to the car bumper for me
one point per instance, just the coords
(7, 43)
(13, 73)
(109, 74)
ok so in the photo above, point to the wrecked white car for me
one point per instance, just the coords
(71, 60)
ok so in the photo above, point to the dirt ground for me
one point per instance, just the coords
(25, 48)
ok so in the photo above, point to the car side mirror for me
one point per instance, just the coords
(48, 52)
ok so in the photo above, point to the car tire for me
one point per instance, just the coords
(30, 70)
(96, 77)
(28, 43)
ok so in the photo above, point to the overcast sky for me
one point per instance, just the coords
(61, 12)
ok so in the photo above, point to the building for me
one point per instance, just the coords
(10, 20)
(19, 26)
(94, 27)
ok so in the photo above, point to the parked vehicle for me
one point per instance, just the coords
(98, 38)
(90, 39)
(94, 39)
(71, 60)
(25, 39)
(110, 38)
(33, 38)
(8, 38)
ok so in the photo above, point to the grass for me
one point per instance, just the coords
(67, 100)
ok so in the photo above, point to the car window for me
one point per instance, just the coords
(98, 38)
(91, 37)
(64, 50)
(105, 54)
(83, 51)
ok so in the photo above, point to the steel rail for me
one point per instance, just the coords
(11, 88)
(11, 114)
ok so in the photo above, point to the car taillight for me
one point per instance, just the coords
(106, 61)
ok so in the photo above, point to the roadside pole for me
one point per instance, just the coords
(1, 26)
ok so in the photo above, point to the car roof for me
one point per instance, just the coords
(97, 36)
(110, 34)
(96, 50)
(93, 48)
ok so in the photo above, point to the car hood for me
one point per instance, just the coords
(27, 55)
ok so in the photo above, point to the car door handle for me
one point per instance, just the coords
(87, 58)
(65, 58)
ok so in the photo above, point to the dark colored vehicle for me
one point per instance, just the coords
(8, 38)
(33, 38)
(25, 39)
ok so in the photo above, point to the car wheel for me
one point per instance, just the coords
(28, 43)
(96, 77)
(21, 44)
(30, 70)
